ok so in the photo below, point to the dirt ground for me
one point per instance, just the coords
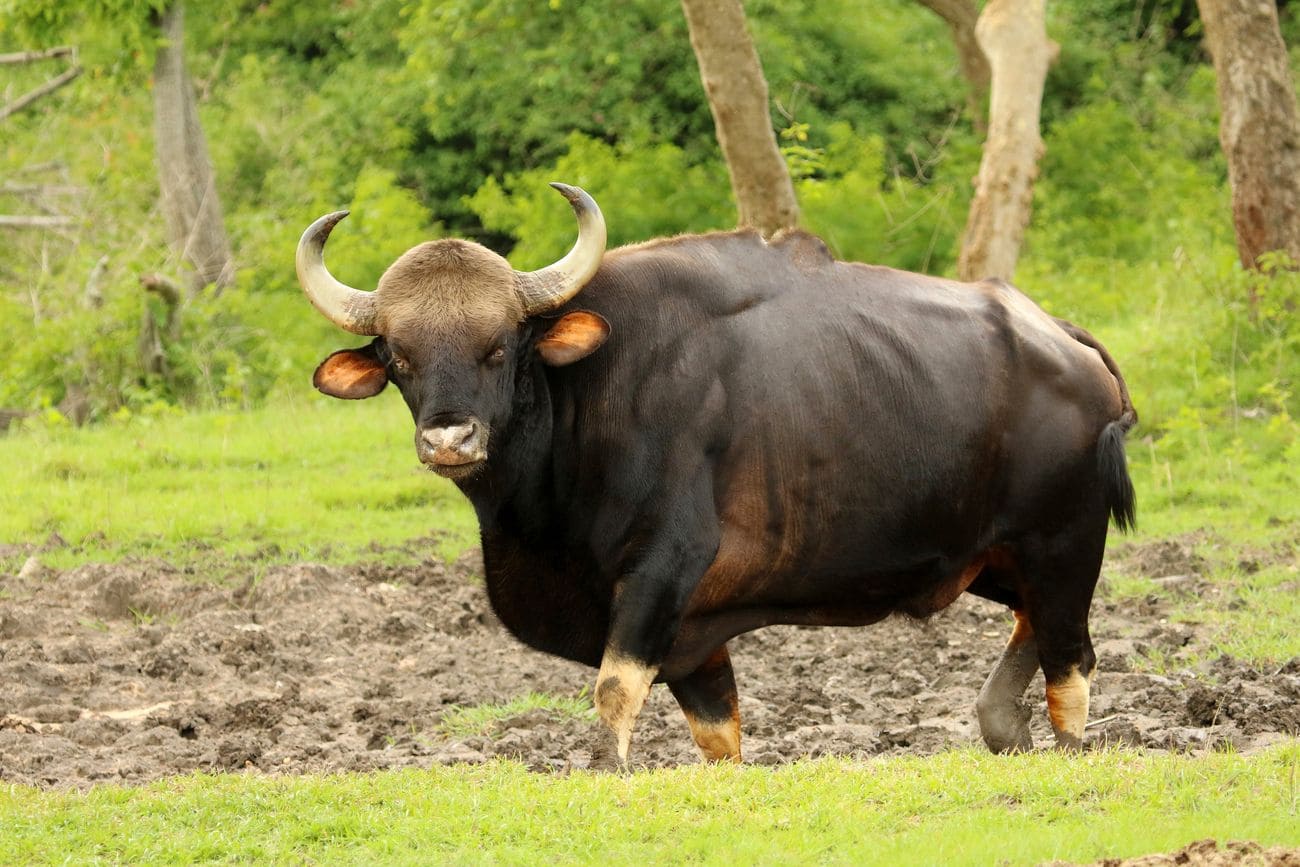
(1210, 853)
(134, 671)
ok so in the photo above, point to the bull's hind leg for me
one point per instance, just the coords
(1061, 573)
(1003, 716)
(707, 697)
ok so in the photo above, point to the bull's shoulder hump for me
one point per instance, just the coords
(727, 250)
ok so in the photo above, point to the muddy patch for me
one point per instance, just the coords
(1210, 853)
(134, 671)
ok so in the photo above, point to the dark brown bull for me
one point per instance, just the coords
(765, 436)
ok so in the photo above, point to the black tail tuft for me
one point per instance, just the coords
(1112, 463)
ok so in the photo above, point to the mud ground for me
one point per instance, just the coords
(134, 671)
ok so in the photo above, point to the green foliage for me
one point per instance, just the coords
(891, 72)
(506, 82)
(114, 37)
(866, 216)
(1120, 184)
(644, 192)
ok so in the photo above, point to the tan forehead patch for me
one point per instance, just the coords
(452, 282)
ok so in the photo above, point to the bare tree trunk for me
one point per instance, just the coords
(190, 204)
(961, 15)
(1013, 35)
(1257, 126)
(737, 91)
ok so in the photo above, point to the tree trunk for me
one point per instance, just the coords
(190, 205)
(737, 92)
(1257, 125)
(961, 15)
(1013, 35)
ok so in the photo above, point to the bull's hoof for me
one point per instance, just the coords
(1005, 726)
(1067, 742)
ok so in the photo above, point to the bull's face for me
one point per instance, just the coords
(453, 330)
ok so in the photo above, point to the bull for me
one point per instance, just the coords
(675, 442)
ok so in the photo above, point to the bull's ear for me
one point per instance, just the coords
(351, 374)
(575, 336)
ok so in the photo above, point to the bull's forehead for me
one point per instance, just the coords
(448, 287)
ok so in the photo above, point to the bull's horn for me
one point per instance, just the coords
(348, 308)
(549, 287)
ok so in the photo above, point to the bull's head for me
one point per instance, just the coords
(453, 325)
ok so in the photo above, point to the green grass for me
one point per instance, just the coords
(305, 477)
(462, 720)
(964, 807)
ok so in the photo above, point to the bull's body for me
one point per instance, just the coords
(827, 443)
(768, 436)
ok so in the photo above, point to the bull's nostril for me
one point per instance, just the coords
(471, 431)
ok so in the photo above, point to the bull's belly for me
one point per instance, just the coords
(816, 601)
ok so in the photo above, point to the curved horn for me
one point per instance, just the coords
(549, 287)
(348, 308)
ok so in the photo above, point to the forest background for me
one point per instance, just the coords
(434, 118)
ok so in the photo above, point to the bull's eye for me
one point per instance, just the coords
(496, 356)
(401, 364)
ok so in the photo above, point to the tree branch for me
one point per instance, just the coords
(164, 287)
(47, 88)
(34, 168)
(33, 222)
(41, 189)
(45, 54)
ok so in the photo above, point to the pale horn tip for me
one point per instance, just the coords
(320, 230)
(577, 197)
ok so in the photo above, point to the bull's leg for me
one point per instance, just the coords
(1003, 716)
(1067, 705)
(1063, 571)
(665, 565)
(707, 697)
(1065, 653)
(644, 619)
(622, 685)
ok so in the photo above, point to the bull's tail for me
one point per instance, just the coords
(1112, 464)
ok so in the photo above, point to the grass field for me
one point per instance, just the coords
(963, 807)
(304, 478)
(310, 479)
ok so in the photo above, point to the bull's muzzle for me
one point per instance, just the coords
(455, 450)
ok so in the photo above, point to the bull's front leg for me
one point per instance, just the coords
(646, 613)
(622, 686)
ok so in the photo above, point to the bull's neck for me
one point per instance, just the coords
(516, 486)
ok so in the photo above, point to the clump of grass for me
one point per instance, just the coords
(477, 719)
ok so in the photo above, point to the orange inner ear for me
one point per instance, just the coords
(575, 336)
(351, 374)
